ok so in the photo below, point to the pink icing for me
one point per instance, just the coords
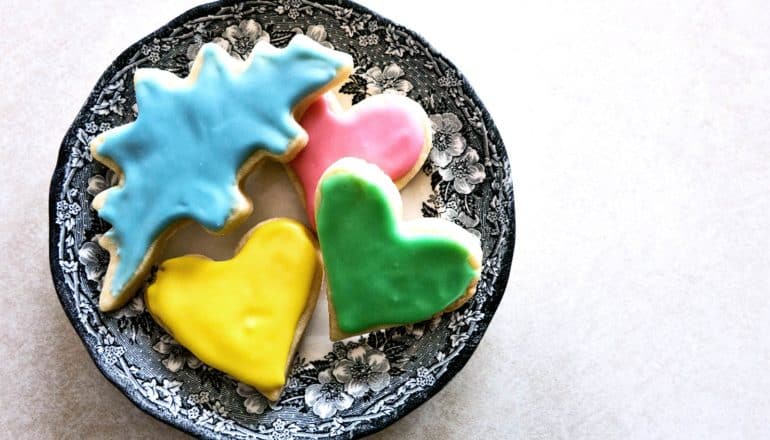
(386, 131)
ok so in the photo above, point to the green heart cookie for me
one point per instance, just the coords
(382, 272)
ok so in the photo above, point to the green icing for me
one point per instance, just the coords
(377, 275)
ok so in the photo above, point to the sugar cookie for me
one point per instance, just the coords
(390, 131)
(194, 140)
(382, 272)
(243, 316)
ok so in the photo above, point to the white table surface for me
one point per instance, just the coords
(639, 302)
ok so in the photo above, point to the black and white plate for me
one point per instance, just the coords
(466, 180)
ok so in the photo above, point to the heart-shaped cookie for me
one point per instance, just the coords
(390, 131)
(383, 272)
(243, 316)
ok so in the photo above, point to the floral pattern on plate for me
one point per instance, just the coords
(365, 383)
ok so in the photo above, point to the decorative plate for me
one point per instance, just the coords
(466, 180)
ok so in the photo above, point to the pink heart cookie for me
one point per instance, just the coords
(390, 131)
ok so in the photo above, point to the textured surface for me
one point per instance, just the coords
(638, 137)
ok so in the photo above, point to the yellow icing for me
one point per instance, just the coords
(240, 316)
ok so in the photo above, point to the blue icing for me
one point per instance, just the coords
(181, 156)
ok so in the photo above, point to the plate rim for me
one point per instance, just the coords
(454, 366)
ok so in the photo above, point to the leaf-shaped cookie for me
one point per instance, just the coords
(193, 141)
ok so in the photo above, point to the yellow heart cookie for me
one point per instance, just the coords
(243, 316)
